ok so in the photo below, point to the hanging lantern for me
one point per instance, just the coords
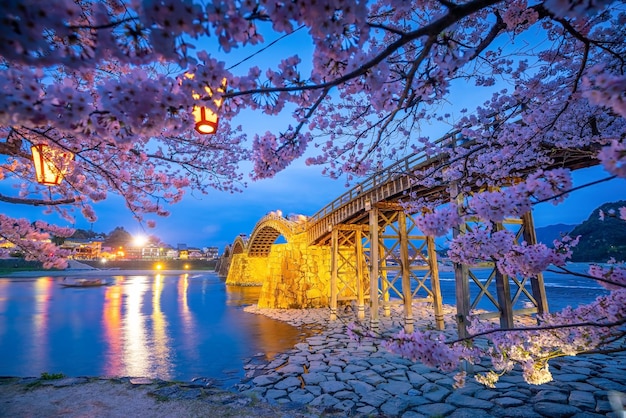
(206, 119)
(50, 164)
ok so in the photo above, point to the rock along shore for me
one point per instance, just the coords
(334, 374)
(329, 375)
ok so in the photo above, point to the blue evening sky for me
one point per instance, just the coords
(216, 219)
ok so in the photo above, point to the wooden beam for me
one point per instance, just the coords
(434, 283)
(333, 273)
(536, 283)
(374, 270)
(407, 294)
(503, 290)
(360, 277)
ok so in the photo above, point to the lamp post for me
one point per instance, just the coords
(51, 164)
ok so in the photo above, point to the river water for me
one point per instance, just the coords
(173, 327)
(561, 289)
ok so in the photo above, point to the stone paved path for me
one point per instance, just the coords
(330, 374)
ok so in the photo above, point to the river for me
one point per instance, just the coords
(172, 327)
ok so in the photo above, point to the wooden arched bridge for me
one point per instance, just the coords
(365, 247)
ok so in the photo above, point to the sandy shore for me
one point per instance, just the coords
(95, 397)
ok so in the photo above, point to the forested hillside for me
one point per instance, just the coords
(601, 239)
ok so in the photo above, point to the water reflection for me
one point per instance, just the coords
(242, 295)
(160, 338)
(170, 327)
(43, 290)
(188, 325)
(112, 324)
(135, 352)
(272, 335)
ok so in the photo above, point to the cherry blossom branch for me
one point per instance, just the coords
(563, 270)
(540, 328)
(454, 15)
(36, 202)
(103, 26)
(573, 189)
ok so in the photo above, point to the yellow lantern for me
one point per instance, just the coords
(50, 164)
(206, 119)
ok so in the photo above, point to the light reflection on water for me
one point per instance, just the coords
(170, 327)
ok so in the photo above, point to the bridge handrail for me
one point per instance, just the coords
(270, 216)
(454, 138)
(383, 176)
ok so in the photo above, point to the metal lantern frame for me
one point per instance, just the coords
(206, 119)
(51, 164)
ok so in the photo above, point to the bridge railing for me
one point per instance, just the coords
(386, 175)
(408, 164)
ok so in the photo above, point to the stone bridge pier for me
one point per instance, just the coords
(291, 274)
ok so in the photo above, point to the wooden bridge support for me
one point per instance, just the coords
(508, 295)
(348, 275)
(397, 257)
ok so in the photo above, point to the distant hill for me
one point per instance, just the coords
(601, 239)
(547, 234)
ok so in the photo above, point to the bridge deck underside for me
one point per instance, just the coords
(262, 241)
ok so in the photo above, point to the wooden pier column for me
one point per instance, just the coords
(503, 290)
(405, 265)
(360, 293)
(385, 289)
(434, 282)
(333, 273)
(536, 283)
(374, 270)
(461, 275)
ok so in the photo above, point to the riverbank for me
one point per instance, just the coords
(92, 273)
(124, 397)
(330, 375)
(331, 372)
(76, 268)
(22, 268)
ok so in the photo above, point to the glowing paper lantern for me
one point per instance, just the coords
(206, 119)
(50, 164)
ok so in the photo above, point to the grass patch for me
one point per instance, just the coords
(51, 376)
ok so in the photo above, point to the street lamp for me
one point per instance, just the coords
(50, 164)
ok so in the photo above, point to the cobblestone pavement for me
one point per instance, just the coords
(331, 374)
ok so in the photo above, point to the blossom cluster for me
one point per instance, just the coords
(429, 348)
(613, 158)
(612, 277)
(33, 239)
(566, 333)
(604, 87)
(440, 222)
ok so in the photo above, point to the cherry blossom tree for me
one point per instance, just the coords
(114, 83)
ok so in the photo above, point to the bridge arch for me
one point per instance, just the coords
(265, 233)
(239, 245)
